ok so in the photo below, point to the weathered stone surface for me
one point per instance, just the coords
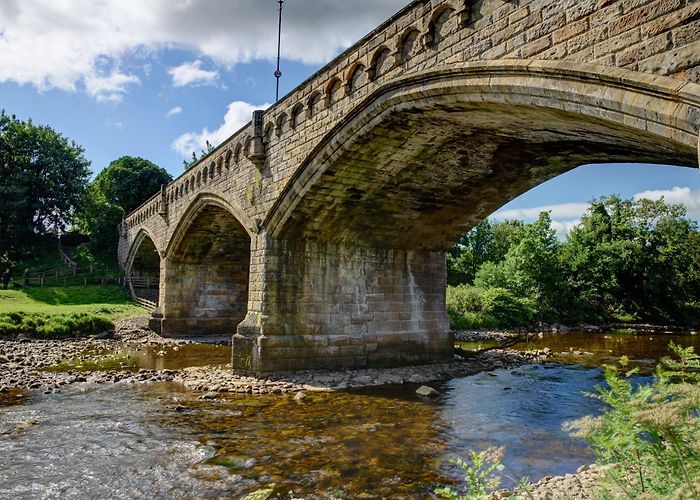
(424, 390)
(317, 232)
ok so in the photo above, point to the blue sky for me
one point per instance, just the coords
(155, 79)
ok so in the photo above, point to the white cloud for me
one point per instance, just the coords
(191, 73)
(677, 195)
(566, 211)
(109, 88)
(237, 115)
(174, 111)
(117, 125)
(564, 227)
(67, 45)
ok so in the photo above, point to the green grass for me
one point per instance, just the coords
(112, 302)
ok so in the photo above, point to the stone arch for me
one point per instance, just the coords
(281, 123)
(219, 164)
(267, 134)
(381, 63)
(356, 78)
(490, 142)
(247, 142)
(438, 20)
(313, 104)
(228, 155)
(297, 115)
(237, 153)
(205, 288)
(332, 91)
(143, 266)
(408, 46)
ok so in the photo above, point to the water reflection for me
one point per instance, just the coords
(161, 440)
(598, 348)
(166, 357)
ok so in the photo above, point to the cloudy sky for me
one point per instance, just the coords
(157, 79)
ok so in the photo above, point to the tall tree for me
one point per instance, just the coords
(43, 179)
(120, 188)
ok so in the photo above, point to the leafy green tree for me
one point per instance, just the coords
(43, 179)
(487, 243)
(532, 268)
(120, 188)
(634, 260)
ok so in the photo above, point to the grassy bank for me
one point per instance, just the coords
(61, 312)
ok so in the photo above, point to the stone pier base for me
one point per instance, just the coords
(331, 306)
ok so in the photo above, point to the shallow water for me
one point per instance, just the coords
(116, 441)
(596, 349)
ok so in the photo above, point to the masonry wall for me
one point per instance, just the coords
(659, 37)
(333, 306)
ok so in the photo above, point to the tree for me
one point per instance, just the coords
(120, 188)
(531, 269)
(634, 259)
(486, 243)
(43, 179)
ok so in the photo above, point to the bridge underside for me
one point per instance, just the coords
(355, 275)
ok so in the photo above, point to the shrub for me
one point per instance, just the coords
(650, 433)
(506, 308)
(464, 299)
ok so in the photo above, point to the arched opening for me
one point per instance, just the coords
(381, 63)
(144, 269)
(430, 162)
(206, 286)
(366, 223)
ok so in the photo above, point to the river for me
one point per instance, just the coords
(132, 440)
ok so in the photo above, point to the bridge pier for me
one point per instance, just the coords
(319, 305)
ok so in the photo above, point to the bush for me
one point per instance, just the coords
(464, 299)
(471, 307)
(53, 325)
(506, 308)
(650, 433)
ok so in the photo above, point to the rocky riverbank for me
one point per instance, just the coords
(585, 484)
(47, 365)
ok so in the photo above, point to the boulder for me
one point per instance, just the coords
(424, 390)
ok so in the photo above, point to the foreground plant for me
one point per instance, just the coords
(481, 478)
(650, 433)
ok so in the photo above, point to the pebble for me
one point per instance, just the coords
(22, 361)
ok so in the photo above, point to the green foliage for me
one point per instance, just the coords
(53, 325)
(506, 308)
(627, 261)
(636, 258)
(43, 179)
(119, 189)
(480, 477)
(650, 434)
(195, 158)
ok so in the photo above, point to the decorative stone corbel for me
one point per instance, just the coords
(163, 203)
(257, 145)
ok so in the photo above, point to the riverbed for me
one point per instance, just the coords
(162, 440)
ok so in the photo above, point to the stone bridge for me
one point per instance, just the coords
(316, 234)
